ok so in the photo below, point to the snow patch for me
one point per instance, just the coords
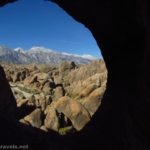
(20, 50)
(87, 56)
(37, 49)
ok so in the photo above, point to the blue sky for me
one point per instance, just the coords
(29, 23)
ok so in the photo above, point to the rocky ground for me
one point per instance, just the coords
(62, 98)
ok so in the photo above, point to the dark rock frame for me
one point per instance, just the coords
(122, 30)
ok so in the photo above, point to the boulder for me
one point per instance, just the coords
(16, 76)
(96, 78)
(35, 87)
(86, 71)
(73, 110)
(74, 89)
(43, 82)
(43, 103)
(29, 80)
(48, 100)
(58, 80)
(65, 66)
(47, 109)
(22, 102)
(85, 92)
(32, 101)
(93, 101)
(23, 121)
(46, 89)
(24, 74)
(35, 118)
(44, 128)
(40, 101)
(51, 121)
(42, 76)
(58, 93)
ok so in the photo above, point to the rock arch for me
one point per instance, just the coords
(122, 31)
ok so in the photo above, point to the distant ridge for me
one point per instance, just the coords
(40, 55)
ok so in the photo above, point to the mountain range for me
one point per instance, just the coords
(40, 55)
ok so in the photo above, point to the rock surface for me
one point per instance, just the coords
(73, 110)
(35, 118)
(121, 29)
(61, 98)
(51, 120)
(7, 101)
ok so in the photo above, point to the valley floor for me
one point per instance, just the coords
(62, 98)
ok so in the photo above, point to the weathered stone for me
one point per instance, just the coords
(22, 102)
(23, 75)
(29, 80)
(23, 121)
(51, 121)
(42, 76)
(35, 118)
(74, 89)
(16, 76)
(93, 101)
(47, 88)
(38, 99)
(66, 66)
(41, 89)
(31, 100)
(58, 93)
(58, 80)
(85, 71)
(73, 110)
(8, 106)
(47, 109)
(48, 100)
(43, 105)
(44, 128)
(85, 92)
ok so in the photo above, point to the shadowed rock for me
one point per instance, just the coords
(121, 29)
(7, 101)
(4, 2)
(35, 118)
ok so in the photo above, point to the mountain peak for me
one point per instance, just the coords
(19, 49)
(38, 49)
(5, 50)
(41, 55)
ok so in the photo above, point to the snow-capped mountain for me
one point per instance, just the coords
(40, 55)
(8, 55)
(19, 49)
(39, 50)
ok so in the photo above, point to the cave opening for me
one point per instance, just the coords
(121, 28)
(65, 95)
